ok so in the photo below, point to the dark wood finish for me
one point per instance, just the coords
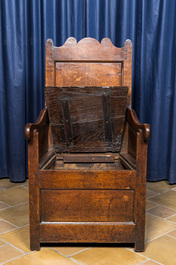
(107, 118)
(87, 152)
(42, 127)
(89, 63)
(87, 179)
(136, 125)
(34, 200)
(87, 119)
(88, 158)
(98, 232)
(65, 206)
(128, 161)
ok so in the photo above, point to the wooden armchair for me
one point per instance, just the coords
(87, 152)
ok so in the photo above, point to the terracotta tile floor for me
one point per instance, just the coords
(160, 233)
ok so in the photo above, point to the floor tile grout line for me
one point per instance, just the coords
(7, 231)
(58, 252)
(17, 186)
(5, 244)
(171, 216)
(5, 203)
(165, 218)
(151, 208)
(171, 236)
(142, 255)
(18, 227)
(8, 222)
(15, 205)
(152, 196)
(168, 190)
(19, 249)
(161, 218)
(164, 234)
(5, 208)
(137, 253)
(164, 206)
(26, 188)
(158, 192)
(12, 259)
(149, 259)
(17, 257)
(78, 252)
(66, 256)
(161, 191)
(76, 261)
(142, 262)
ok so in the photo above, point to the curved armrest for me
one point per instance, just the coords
(41, 121)
(132, 120)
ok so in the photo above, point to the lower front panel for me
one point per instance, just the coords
(88, 232)
(87, 205)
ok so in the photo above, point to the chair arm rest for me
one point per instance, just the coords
(133, 121)
(41, 121)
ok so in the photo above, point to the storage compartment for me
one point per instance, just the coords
(87, 205)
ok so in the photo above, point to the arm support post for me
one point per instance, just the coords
(41, 122)
(42, 127)
(133, 121)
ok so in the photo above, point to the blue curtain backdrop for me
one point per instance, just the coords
(25, 26)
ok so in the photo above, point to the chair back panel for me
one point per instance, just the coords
(88, 74)
(86, 94)
(89, 63)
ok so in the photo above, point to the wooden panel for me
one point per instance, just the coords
(95, 118)
(34, 193)
(107, 117)
(86, 51)
(87, 74)
(43, 140)
(88, 166)
(48, 157)
(95, 206)
(87, 179)
(88, 158)
(88, 232)
(85, 103)
(67, 123)
(88, 137)
(132, 141)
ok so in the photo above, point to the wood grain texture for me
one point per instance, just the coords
(135, 124)
(87, 154)
(41, 126)
(89, 158)
(140, 200)
(34, 212)
(87, 119)
(87, 179)
(89, 63)
(88, 73)
(96, 205)
(88, 232)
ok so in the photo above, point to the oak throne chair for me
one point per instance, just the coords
(87, 152)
